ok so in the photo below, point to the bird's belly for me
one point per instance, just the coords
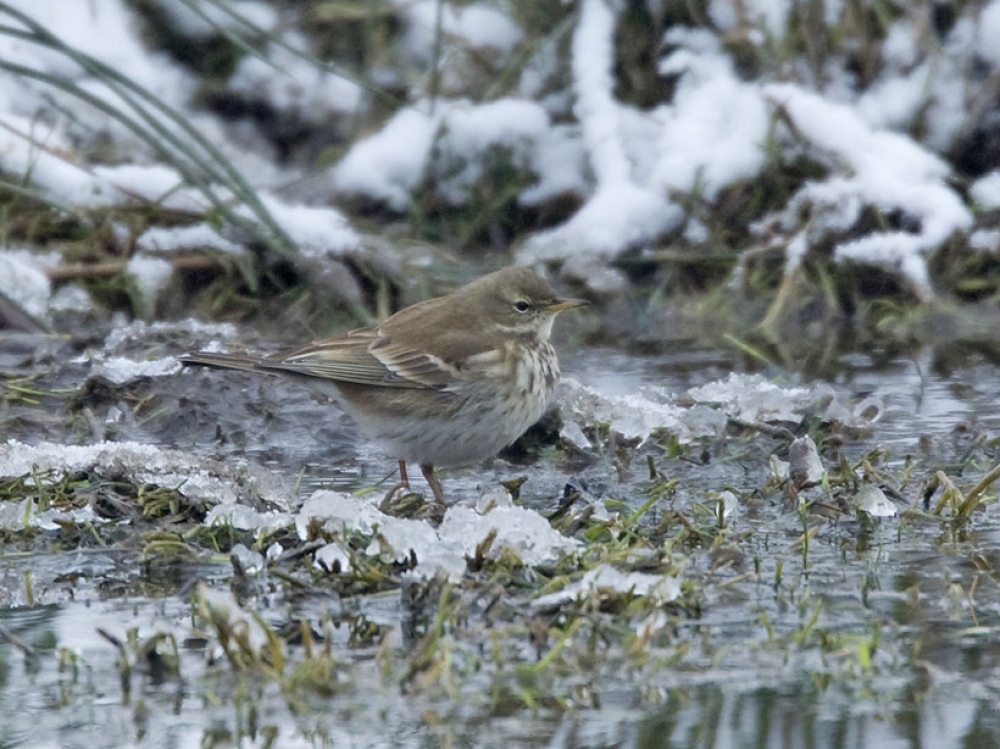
(477, 431)
(462, 424)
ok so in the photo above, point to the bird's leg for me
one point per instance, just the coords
(428, 470)
(404, 482)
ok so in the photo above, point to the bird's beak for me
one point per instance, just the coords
(558, 305)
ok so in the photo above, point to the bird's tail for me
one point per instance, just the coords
(221, 361)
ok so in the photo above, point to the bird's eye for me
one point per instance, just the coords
(522, 306)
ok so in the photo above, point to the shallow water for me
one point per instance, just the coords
(880, 634)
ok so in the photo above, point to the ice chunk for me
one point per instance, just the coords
(120, 370)
(445, 549)
(805, 467)
(871, 501)
(201, 481)
(635, 415)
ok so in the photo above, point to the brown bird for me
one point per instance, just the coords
(445, 382)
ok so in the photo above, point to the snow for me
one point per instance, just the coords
(986, 190)
(621, 212)
(469, 131)
(476, 25)
(390, 164)
(771, 14)
(209, 18)
(34, 150)
(288, 81)
(988, 41)
(878, 168)
(896, 101)
(174, 238)
(316, 231)
(985, 240)
(23, 281)
(560, 160)
(105, 29)
(900, 50)
(635, 173)
(149, 182)
(705, 145)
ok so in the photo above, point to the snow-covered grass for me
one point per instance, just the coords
(470, 112)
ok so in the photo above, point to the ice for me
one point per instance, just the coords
(201, 481)
(244, 518)
(71, 298)
(332, 558)
(17, 516)
(745, 398)
(805, 467)
(139, 330)
(660, 588)
(572, 432)
(522, 531)
(753, 399)
(120, 370)
(251, 562)
(635, 415)
(729, 503)
(399, 540)
(221, 607)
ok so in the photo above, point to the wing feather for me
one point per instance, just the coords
(366, 357)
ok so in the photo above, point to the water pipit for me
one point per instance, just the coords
(446, 382)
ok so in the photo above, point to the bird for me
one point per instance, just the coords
(445, 382)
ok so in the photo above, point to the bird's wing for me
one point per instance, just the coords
(366, 357)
